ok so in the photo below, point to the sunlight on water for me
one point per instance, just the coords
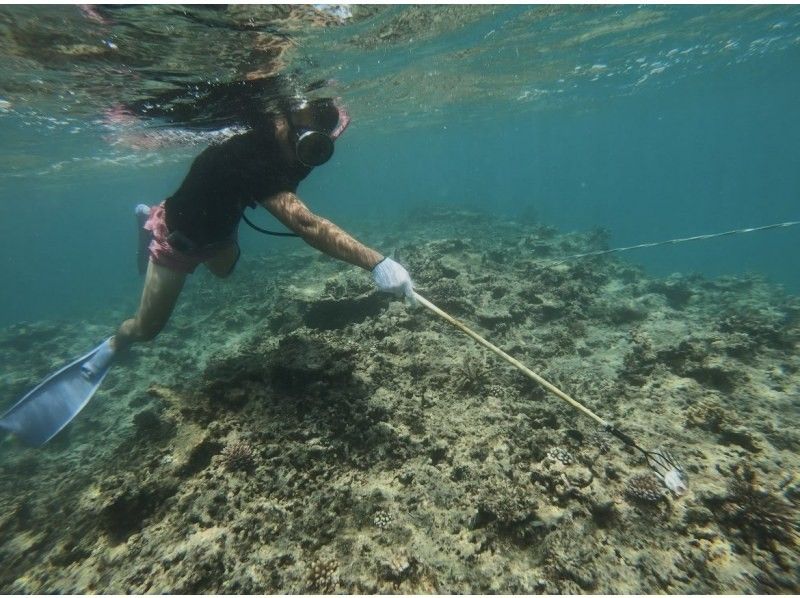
(604, 198)
(397, 67)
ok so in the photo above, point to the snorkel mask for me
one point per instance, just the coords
(313, 148)
(315, 126)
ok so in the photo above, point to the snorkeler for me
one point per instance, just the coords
(198, 225)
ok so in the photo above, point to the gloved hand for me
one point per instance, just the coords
(391, 277)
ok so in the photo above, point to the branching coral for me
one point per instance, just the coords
(238, 455)
(472, 373)
(761, 515)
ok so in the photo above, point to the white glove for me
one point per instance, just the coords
(391, 277)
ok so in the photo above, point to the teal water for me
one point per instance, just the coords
(652, 122)
(293, 431)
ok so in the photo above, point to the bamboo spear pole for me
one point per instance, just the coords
(517, 364)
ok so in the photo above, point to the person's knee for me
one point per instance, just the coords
(223, 268)
(147, 331)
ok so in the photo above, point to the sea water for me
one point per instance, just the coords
(291, 430)
(652, 122)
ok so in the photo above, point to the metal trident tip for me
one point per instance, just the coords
(667, 469)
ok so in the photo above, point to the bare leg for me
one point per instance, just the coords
(162, 287)
(222, 264)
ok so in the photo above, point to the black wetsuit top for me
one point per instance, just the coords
(226, 178)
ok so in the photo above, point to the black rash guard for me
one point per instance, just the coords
(223, 180)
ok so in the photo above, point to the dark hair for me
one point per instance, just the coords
(320, 114)
(212, 105)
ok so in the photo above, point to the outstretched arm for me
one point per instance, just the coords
(319, 232)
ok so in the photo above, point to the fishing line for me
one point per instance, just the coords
(675, 241)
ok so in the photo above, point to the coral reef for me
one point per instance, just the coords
(758, 514)
(322, 577)
(238, 455)
(297, 432)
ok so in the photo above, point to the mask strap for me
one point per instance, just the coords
(344, 121)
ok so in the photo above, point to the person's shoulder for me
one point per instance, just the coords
(250, 137)
(237, 146)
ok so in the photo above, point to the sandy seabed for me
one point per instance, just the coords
(294, 431)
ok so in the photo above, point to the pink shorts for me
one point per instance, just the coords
(164, 254)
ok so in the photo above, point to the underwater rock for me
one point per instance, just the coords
(692, 358)
(508, 511)
(229, 384)
(301, 362)
(698, 515)
(450, 296)
(640, 361)
(713, 417)
(202, 558)
(131, 505)
(198, 457)
(774, 582)
(548, 309)
(151, 425)
(339, 313)
(428, 270)
(677, 290)
(569, 565)
(709, 416)
(764, 328)
(604, 513)
(397, 568)
(563, 480)
(619, 313)
(579, 476)
(739, 345)
(491, 316)
(741, 437)
(600, 440)
(24, 336)
(448, 246)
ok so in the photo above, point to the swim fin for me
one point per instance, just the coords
(45, 410)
